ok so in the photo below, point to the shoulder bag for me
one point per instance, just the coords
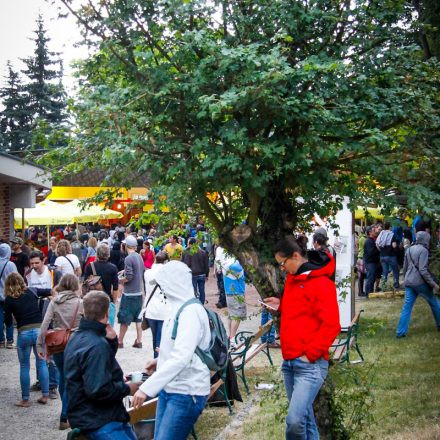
(56, 340)
(93, 281)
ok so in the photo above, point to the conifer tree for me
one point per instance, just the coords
(45, 92)
(15, 119)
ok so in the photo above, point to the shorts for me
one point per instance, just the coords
(236, 306)
(129, 309)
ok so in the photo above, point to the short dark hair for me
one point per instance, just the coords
(96, 305)
(387, 225)
(192, 240)
(320, 239)
(161, 257)
(288, 245)
(36, 254)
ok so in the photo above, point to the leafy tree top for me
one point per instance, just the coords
(272, 108)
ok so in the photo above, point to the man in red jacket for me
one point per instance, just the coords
(309, 324)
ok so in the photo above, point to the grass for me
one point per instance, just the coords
(403, 376)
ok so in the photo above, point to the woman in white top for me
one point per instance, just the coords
(67, 262)
(157, 310)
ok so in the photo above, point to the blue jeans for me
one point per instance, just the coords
(156, 331)
(411, 294)
(302, 381)
(270, 335)
(113, 431)
(59, 361)
(199, 287)
(176, 415)
(27, 341)
(372, 271)
(390, 264)
(221, 289)
(54, 375)
(9, 326)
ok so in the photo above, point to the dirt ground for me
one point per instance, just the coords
(40, 422)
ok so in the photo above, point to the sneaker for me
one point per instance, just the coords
(120, 345)
(53, 393)
(137, 344)
(2, 344)
(273, 344)
(36, 386)
(10, 344)
(220, 306)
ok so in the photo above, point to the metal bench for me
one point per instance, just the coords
(247, 346)
(341, 347)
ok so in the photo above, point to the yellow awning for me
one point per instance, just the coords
(44, 213)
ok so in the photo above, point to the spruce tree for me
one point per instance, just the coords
(45, 92)
(16, 118)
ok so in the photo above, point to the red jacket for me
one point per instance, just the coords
(309, 310)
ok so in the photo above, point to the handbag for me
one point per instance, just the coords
(93, 281)
(56, 340)
(145, 324)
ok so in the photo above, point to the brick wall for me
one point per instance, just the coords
(5, 212)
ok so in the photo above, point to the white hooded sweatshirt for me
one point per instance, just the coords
(179, 369)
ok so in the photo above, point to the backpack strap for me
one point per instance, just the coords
(176, 319)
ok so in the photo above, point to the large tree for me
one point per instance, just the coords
(264, 111)
(15, 118)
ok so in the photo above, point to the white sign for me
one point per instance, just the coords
(343, 243)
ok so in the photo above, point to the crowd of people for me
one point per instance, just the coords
(87, 277)
(384, 248)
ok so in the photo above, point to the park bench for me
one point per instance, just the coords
(341, 347)
(248, 345)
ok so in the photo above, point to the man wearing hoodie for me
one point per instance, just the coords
(181, 380)
(386, 242)
(418, 281)
(6, 267)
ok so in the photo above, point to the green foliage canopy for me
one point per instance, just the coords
(258, 110)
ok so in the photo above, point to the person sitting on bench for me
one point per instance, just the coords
(93, 378)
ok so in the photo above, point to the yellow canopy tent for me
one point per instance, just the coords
(44, 213)
(91, 213)
(375, 213)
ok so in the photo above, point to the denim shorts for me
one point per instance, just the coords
(129, 309)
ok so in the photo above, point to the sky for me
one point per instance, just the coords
(17, 23)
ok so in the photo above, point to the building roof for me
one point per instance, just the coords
(94, 177)
(16, 171)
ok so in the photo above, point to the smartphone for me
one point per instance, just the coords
(267, 305)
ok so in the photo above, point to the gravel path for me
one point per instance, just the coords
(40, 422)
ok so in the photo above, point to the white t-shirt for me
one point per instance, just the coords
(43, 281)
(65, 266)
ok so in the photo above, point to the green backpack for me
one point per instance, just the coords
(216, 355)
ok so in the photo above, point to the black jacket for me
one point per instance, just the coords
(198, 262)
(94, 380)
(371, 253)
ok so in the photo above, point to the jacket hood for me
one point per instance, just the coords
(62, 297)
(175, 280)
(423, 238)
(320, 264)
(5, 252)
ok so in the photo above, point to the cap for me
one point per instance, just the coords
(130, 241)
(17, 240)
(321, 231)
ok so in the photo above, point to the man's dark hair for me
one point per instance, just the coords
(192, 240)
(96, 304)
(175, 237)
(36, 254)
(161, 257)
(320, 239)
(387, 226)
